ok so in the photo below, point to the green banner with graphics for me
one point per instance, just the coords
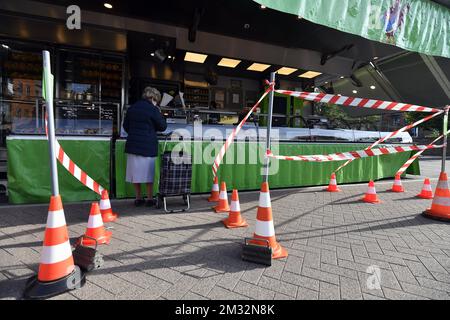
(415, 25)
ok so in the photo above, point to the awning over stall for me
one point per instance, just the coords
(415, 25)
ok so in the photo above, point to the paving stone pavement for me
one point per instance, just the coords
(332, 240)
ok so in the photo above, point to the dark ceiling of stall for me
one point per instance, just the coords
(244, 19)
(445, 3)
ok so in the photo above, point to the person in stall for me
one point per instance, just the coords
(244, 111)
(142, 121)
(214, 118)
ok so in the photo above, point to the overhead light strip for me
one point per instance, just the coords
(195, 57)
(285, 71)
(310, 74)
(260, 67)
(228, 63)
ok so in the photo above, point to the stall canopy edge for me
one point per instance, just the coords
(415, 25)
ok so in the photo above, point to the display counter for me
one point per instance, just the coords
(255, 132)
(247, 176)
(29, 170)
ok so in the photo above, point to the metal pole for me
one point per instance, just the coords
(51, 123)
(269, 127)
(444, 132)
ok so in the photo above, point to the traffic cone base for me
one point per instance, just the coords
(436, 216)
(105, 208)
(278, 252)
(397, 186)
(371, 194)
(425, 195)
(440, 207)
(109, 217)
(332, 190)
(332, 187)
(57, 271)
(35, 289)
(95, 228)
(426, 192)
(214, 197)
(371, 201)
(231, 225)
(103, 239)
(223, 205)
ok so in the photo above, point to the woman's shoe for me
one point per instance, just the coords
(139, 202)
(150, 203)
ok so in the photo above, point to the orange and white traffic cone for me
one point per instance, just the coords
(332, 187)
(56, 257)
(235, 219)
(214, 197)
(397, 186)
(222, 206)
(105, 208)
(440, 207)
(95, 228)
(57, 272)
(371, 194)
(427, 191)
(264, 224)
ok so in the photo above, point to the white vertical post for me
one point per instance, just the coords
(48, 80)
(269, 127)
(444, 132)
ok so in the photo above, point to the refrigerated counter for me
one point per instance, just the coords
(105, 161)
(242, 165)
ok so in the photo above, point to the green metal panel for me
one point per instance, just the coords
(29, 172)
(247, 176)
(29, 169)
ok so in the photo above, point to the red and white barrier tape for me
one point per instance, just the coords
(230, 139)
(392, 134)
(351, 155)
(414, 157)
(333, 99)
(74, 170)
(356, 102)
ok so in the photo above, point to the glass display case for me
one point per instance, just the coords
(88, 90)
(71, 117)
(90, 93)
(98, 118)
(20, 87)
(90, 77)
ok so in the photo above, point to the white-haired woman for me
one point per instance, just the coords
(142, 121)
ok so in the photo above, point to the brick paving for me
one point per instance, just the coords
(332, 239)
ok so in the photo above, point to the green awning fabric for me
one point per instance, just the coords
(415, 25)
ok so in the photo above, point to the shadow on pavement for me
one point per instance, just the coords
(417, 220)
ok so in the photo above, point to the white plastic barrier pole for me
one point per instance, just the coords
(269, 127)
(47, 92)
